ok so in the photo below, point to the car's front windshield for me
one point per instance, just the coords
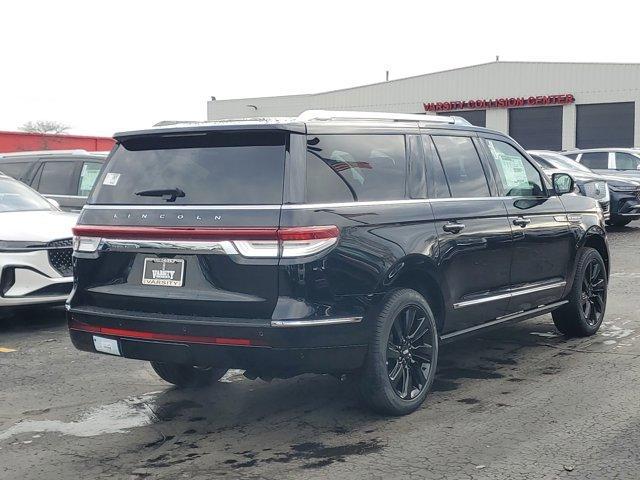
(563, 163)
(17, 197)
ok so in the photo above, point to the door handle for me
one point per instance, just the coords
(453, 227)
(521, 221)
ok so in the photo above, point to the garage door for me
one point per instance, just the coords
(605, 125)
(537, 128)
(474, 117)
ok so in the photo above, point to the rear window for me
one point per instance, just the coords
(350, 168)
(195, 169)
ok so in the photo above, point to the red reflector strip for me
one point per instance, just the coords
(175, 233)
(199, 233)
(166, 337)
(308, 233)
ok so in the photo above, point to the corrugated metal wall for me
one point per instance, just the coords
(588, 82)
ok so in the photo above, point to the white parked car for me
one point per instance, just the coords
(35, 248)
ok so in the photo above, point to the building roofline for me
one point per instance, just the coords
(303, 95)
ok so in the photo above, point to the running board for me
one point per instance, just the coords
(512, 317)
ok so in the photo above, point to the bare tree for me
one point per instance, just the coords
(44, 126)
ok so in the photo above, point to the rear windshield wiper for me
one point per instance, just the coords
(169, 194)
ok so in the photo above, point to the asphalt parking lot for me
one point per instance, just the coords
(520, 402)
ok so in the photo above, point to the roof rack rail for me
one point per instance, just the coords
(78, 151)
(310, 115)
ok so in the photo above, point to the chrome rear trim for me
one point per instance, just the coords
(159, 246)
(314, 323)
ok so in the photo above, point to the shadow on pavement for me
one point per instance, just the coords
(32, 319)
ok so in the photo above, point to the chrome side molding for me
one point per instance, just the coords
(523, 315)
(510, 294)
(314, 323)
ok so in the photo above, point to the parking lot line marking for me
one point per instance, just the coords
(7, 350)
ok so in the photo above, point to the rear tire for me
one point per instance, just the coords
(583, 315)
(184, 376)
(402, 357)
(619, 222)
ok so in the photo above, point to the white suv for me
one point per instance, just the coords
(625, 161)
(35, 248)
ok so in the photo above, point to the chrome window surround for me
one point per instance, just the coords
(295, 206)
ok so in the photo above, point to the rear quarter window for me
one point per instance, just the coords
(211, 168)
(595, 160)
(350, 168)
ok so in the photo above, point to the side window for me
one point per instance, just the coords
(624, 161)
(88, 175)
(439, 186)
(515, 173)
(350, 168)
(595, 160)
(417, 176)
(56, 178)
(462, 167)
(571, 155)
(15, 170)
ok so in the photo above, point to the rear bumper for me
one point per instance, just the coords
(256, 345)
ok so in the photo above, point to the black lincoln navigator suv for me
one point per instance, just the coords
(334, 242)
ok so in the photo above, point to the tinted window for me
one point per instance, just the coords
(209, 168)
(436, 173)
(417, 178)
(597, 160)
(15, 196)
(343, 168)
(571, 155)
(626, 161)
(56, 178)
(516, 175)
(15, 170)
(88, 176)
(462, 167)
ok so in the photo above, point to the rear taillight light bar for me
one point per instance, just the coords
(268, 242)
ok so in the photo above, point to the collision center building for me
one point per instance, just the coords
(543, 105)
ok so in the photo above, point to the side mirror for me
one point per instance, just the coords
(53, 202)
(562, 183)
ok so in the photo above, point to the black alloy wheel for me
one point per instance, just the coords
(410, 352)
(585, 304)
(593, 295)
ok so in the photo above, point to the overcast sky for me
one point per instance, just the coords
(104, 66)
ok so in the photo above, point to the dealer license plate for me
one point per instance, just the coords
(166, 272)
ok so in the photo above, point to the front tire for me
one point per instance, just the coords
(184, 376)
(402, 357)
(583, 315)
